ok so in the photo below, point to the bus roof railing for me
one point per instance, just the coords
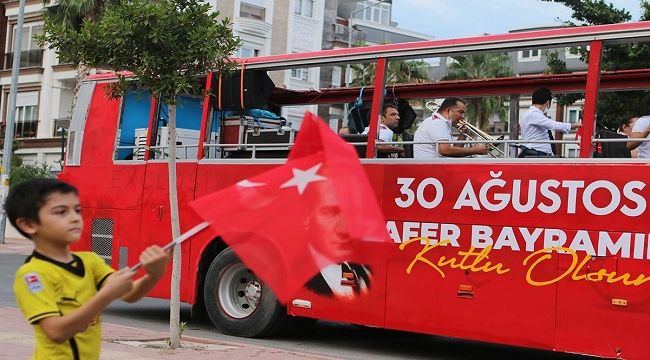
(550, 38)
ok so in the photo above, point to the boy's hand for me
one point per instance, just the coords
(119, 283)
(154, 260)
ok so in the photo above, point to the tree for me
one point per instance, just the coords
(612, 105)
(68, 16)
(481, 66)
(397, 72)
(167, 45)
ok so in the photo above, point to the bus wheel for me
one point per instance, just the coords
(237, 302)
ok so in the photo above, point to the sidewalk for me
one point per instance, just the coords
(16, 246)
(124, 342)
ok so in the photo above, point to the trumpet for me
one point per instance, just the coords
(479, 134)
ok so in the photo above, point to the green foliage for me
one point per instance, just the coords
(22, 172)
(612, 105)
(397, 72)
(70, 14)
(481, 66)
(166, 44)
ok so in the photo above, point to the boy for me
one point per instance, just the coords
(60, 292)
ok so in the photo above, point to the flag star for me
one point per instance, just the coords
(249, 184)
(302, 178)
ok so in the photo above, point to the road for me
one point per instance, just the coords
(323, 339)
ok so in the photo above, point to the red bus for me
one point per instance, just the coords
(542, 253)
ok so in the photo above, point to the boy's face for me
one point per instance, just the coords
(60, 220)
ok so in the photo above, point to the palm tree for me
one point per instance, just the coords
(68, 16)
(398, 72)
(481, 66)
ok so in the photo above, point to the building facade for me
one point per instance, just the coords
(45, 88)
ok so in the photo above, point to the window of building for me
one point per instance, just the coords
(26, 120)
(29, 31)
(574, 52)
(27, 106)
(302, 74)
(304, 8)
(247, 52)
(529, 55)
(574, 115)
(373, 11)
(31, 54)
(252, 11)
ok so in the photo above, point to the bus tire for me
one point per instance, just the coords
(237, 302)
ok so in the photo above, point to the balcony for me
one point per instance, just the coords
(30, 58)
(61, 123)
(22, 129)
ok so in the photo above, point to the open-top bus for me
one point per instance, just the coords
(545, 253)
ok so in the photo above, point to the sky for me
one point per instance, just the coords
(444, 19)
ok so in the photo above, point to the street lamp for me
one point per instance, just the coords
(348, 75)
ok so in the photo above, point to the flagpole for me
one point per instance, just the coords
(186, 235)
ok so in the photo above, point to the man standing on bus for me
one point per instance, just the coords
(640, 130)
(535, 125)
(437, 127)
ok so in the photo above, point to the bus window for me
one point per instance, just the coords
(188, 125)
(212, 151)
(132, 131)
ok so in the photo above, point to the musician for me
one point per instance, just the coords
(535, 125)
(388, 122)
(437, 127)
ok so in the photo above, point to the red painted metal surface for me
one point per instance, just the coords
(204, 115)
(377, 98)
(591, 98)
(495, 41)
(637, 79)
(152, 122)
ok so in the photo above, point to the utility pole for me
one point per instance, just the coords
(5, 169)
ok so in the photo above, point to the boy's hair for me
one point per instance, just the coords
(26, 199)
(541, 96)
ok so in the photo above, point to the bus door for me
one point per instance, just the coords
(155, 227)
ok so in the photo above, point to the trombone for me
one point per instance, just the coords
(478, 134)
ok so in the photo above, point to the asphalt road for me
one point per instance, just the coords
(324, 338)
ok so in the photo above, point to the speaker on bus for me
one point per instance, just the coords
(258, 87)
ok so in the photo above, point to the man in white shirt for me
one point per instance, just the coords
(640, 130)
(535, 125)
(388, 121)
(438, 128)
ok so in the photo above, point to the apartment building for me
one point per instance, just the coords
(45, 87)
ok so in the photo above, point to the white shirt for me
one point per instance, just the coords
(535, 126)
(640, 125)
(433, 128)
(385, 135)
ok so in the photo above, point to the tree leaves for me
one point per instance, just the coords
(166, 44)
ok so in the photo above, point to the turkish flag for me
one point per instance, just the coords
(315, 210)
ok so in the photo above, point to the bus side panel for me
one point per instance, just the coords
(589, 310)
(366, 308)
(101, 128)
(487, 299)
(155, 225)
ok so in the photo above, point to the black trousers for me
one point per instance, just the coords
(532, 153)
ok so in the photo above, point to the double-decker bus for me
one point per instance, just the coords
(549, 253)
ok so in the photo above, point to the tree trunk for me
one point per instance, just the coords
(82, 72)
(174, 302)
